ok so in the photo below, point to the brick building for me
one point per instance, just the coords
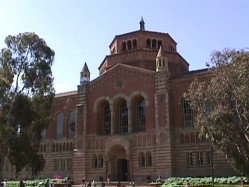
(132, 121)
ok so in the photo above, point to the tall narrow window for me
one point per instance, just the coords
(123, 117)
(100, 161)
(199, 158)
(141, 115)
(123, 46)
(94, 161)
(107, 120)
(59, 125)
(129, 44)
(154, 44)
(148, 43)
(43, 134)
(72, 121)
(189, 157)
(134, 43)
(141, 158)
(187, 114)
(148, 159)
(208, 158)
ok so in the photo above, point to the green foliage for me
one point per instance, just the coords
(36, 182)
(205, 181)
(222, 106)
(26, 93)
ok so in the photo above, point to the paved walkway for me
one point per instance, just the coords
(123, 184)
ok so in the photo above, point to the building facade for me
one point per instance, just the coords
(132, 121)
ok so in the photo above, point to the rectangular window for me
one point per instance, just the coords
(208, 158)
(199, 158)
(189, 159)
(56, 164)
(187, 114)
(69, 164)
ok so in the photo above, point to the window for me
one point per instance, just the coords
(123, 46)
(94, 161)
(56, 164)
(189, 159)
(148, 159)
(100, 161)
(181, 138)
(72, 121)
(141, 115)
(187, 114)
(43, 134)
(69, 164)
(141, 159)
(199, 158)
(208, 158)
(63, 164)
(154, 43)
(59, 125)
(192, 138)
(123, 117)
(134, 43)
(107, 120)
(129, 44)
(148, 43)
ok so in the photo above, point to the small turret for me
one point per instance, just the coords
(142, 27)
(161, 61)
(84, 74)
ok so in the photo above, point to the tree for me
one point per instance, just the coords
(26, 93)
(221, 105)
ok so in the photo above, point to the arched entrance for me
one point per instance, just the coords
(117, 163)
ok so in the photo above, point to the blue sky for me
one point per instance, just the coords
(80, 31)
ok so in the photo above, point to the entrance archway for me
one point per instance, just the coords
(117, 164)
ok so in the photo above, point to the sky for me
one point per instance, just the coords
(81, 31)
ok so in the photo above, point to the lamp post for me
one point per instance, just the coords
(211, 157)
(212, 163)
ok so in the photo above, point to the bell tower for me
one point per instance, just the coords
(161, 62)
(84, 74)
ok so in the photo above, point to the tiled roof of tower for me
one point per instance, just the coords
(144, 31)
(65, 94)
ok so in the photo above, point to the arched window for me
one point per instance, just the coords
(59, 125)
(141, 158)
(187, 114)
(148, 43)
(43, 134)
(72, 121)
(129, 44)
(141, 115)
(123, 46)
(134, 43)
(186, 138)
(107, 119)
(123, 117)
(154, 42)
(148, 159)
(138, 115)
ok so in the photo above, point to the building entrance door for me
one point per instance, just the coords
(122, 174)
